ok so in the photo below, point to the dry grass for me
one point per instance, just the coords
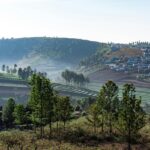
(128, 52)
(78, 136)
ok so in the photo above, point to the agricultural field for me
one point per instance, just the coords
(81, 92)
(90, 90)
(8, 76)
(140, 91)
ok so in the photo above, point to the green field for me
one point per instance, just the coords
(140, 91)
(8, 75)
(93, 86)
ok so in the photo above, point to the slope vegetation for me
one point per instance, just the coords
(60, 49)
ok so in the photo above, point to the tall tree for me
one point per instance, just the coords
(20, 72)
(93, 117)
(49, 102)
(41, 101)
(7, 69)
(65, 109)
(111, 102)
(57, 110)
(19, 114)
(7, 112)
(15, 68)
(101, 102)
(131, 116)
(34, 101)
(3, 67)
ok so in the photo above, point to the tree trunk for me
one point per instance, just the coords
(50, 130)
(64, 125)
(21, 147)
(129, 138)
(94, 129)
(102, 124)
(7, 147)
(34, 128)
(41, 119)
(110, 126)
(43, 130)
(57, 127)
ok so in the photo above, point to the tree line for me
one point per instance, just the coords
(72, 77)
(23, 73)
(43, 107)
(8, 69)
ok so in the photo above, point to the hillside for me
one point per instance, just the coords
(125, 52)
(118, 77)
(54, 55)
(121, 63)
(108, 52)
(60, 49)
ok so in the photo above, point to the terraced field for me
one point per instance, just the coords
(20, 90)
(74, 91)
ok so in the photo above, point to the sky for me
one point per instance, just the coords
(119, 21)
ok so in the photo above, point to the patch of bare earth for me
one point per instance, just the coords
(118, 77)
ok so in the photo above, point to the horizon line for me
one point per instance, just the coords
(109, 42)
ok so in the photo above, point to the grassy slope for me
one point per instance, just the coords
(78, 136)
(10, 76)
(128, 52)
(62, 49)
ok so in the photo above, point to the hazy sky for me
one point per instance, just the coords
(100, 20)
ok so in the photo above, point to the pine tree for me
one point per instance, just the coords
(41, 101)
(111, 103)
(101, 104)
(36, 101)
(19, 114)
(7, 113)
(48, 102)
(65, 109)
(93, 116)
(56, 109)
(3, 67)
(131, 116)
(33, 101)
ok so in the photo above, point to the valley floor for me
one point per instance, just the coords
(118, 77)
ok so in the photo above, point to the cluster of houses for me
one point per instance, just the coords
(137, 64)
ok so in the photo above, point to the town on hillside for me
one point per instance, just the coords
(139, 63)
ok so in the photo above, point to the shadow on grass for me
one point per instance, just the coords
(80, 136)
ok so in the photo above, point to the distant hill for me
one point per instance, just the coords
(60, 49)
(54, 55)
